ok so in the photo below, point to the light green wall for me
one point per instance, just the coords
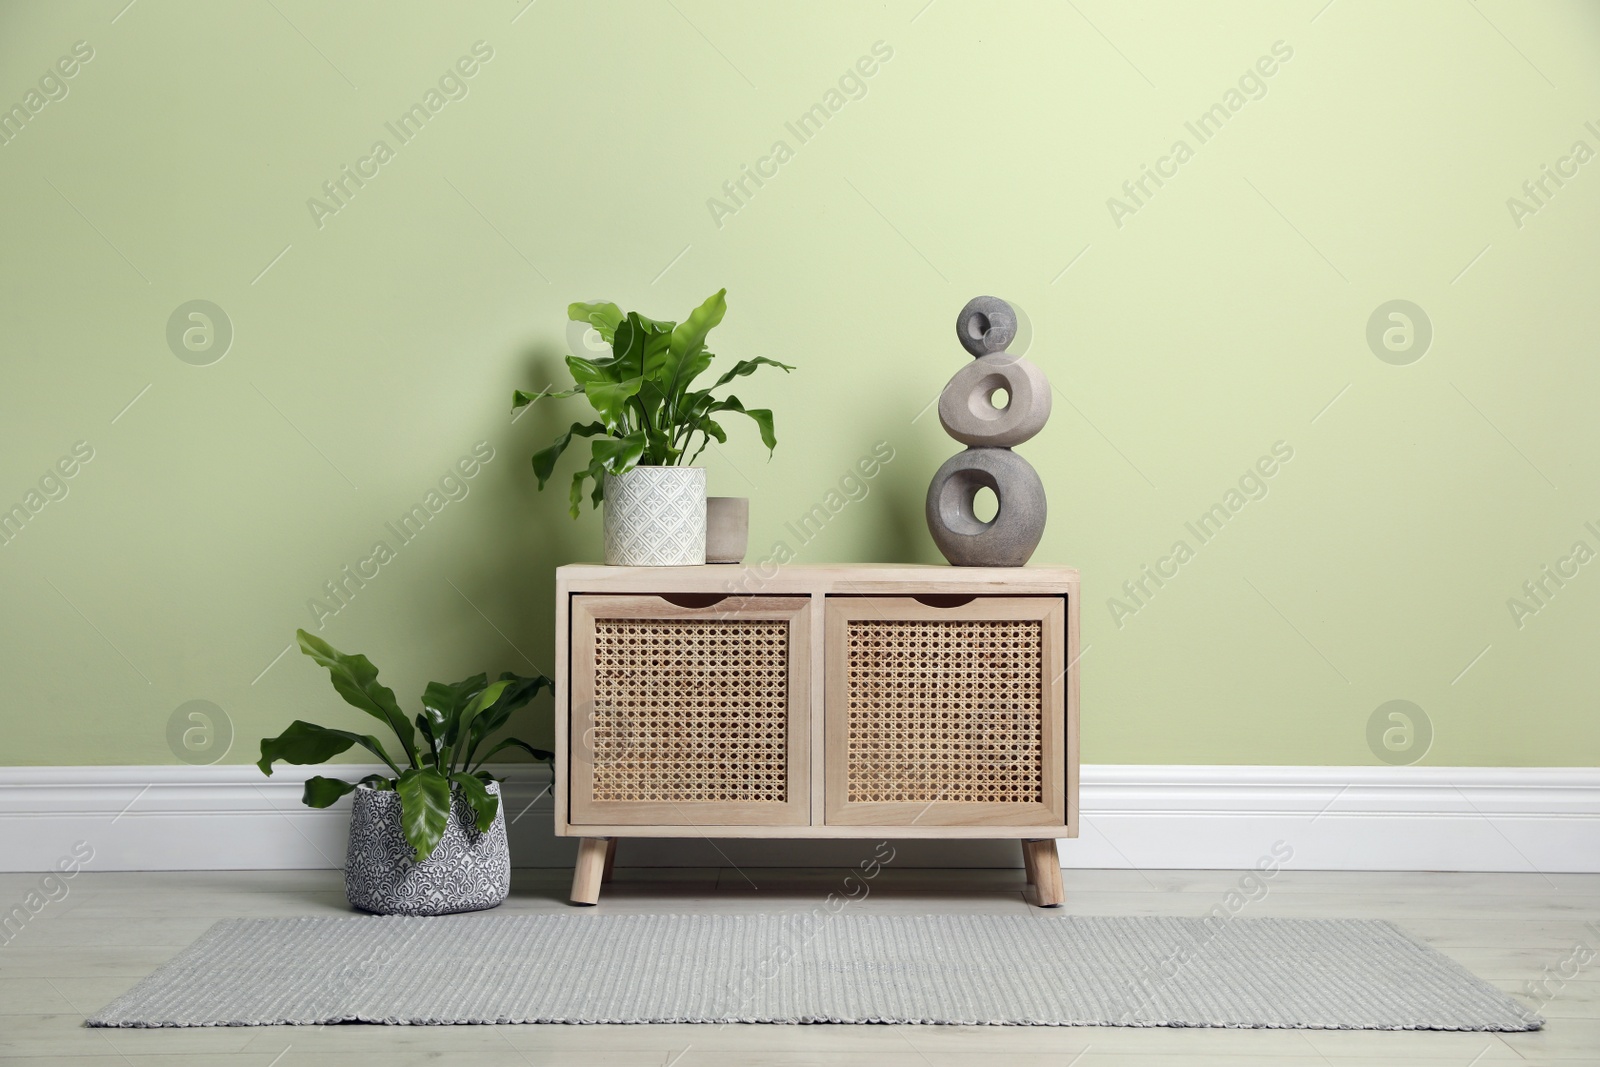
(1218, 319)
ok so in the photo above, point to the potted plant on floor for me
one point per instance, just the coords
(431, 839)
(653, 425)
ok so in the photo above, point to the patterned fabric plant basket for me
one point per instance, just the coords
(468, 870)
(656, 517)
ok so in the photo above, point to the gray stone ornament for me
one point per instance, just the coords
(967, 410)
(987, 324)
(968, 413)
(1010, 537)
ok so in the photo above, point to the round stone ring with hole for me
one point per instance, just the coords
(987, 324)
(968, 411)
(1008, 539)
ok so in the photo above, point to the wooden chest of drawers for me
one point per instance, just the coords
(821, 701)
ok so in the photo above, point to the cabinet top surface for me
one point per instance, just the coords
(755, 579)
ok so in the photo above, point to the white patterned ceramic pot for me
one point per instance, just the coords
(468, 870)
(656, 517)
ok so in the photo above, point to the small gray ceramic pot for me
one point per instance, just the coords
(727, 528)
(468, 870)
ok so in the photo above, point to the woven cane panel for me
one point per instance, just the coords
(691, 710)
(946, 711)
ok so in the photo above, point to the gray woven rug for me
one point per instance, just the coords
(796, 968)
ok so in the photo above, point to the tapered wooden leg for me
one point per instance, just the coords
(1027, 864)
(611, 859)
(589, 871)
(1048, 892)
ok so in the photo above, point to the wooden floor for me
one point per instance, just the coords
(111, 929)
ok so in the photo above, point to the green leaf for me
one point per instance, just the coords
(618, 455)
(356, 679)
(443, 702)
(477, 794)
(710, 428)
(320, 792)
(627, 348)
(761, 416)
(604, 317)
(595, 470)
(516, 695)
(307, 743)
(692, 367)
(511, 742)
(610, 400)
(640, 349)
(544, 461)
(462, 726)
(521, 398)
(687, 357)
(656, 326)
(748, 366)
(303, 743)
(657, 350)
(575, 497)
(589, 372)
(444, 705)
(689, 338)
(425, 727)
(424, 809)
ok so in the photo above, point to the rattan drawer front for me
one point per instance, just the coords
(945, 715)
(690, 715)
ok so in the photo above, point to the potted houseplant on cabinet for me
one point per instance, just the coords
(652, 426)
(430, 838)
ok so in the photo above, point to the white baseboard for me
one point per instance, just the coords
(1152, 817)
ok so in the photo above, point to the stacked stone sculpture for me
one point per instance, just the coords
(968, 413)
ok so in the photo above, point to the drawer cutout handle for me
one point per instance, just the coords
(694, 600)
(944, 600)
